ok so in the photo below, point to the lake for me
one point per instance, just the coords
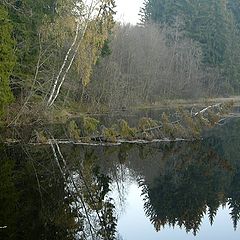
(160, 190)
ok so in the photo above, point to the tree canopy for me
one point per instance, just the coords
(46, 44)
(213, 24)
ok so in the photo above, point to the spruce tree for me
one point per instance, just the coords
(201, 20)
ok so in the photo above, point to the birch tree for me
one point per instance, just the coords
(92, 21)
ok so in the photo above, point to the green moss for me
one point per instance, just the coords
(146, 123)
(110, 134)
(90, 125)
(125, 131)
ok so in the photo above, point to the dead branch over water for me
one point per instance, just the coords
(181, 125)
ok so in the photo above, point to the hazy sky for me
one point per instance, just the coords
(127, 10)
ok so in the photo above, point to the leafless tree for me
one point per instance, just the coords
(146, 65)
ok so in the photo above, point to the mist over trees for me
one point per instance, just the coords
(145, 66)
(180, 49)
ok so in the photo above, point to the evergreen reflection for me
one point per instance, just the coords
(195, 179)
(184, 193)
(63, 192)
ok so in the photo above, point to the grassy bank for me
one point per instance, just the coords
(200, 102)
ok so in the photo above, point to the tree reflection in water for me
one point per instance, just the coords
(63, 192)
(45, 199)
(182, 194)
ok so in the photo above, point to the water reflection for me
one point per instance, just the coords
(42, 198)
(65, 192)
(191, 187)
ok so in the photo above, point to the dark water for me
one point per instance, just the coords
(184, 190)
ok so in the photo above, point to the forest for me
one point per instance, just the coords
(62, 58)
(110, 128)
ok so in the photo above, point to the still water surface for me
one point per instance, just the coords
(182, 190)
(133, 224)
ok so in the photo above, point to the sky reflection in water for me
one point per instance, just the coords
(182, 184)
(133, 224)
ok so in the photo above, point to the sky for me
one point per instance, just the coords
(127, 10)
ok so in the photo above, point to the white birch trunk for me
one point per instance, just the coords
(63, 65)
(58, 83)
(67, 70)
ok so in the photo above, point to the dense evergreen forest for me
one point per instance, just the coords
(70, 56)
